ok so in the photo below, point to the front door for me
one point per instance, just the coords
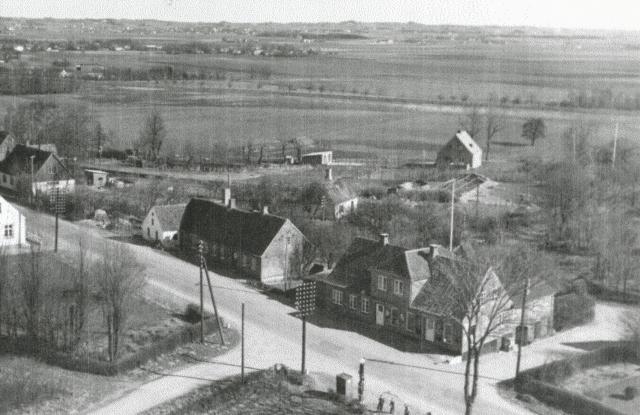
(379, 314)
(430, 329)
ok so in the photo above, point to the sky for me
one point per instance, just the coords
(574, 14)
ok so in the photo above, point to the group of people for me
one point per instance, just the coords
(392, 407)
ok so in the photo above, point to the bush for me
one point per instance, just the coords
(192, 313)
(572, 310)
(630, 392)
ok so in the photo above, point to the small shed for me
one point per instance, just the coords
(460, 151)
(318, 158)
(96, 178)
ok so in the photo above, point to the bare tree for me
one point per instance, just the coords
(152, 135)
(534, 129)
(119, 280)
(481, 287)
(31, 284)
(472, 122)
(81, 286)
(494, 124)
(578, 142)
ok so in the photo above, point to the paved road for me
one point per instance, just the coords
(273, 336)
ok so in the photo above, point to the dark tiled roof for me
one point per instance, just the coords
(170, 216)
(354, 267)
(250, 232)
(436, 295)
(19, 160)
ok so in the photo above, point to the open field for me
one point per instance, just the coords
(394, 101)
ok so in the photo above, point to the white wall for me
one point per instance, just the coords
(10, 216)
(45, 187)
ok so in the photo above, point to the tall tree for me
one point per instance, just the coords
(119, 280)
(472, 122)
(493, 125)
(152, 135)
(534, 129)
(482, 286)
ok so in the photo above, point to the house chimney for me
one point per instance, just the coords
(328, 174)
(232, 203)
(384, 239)
(432, 249)
(265, 210)
(227, 196)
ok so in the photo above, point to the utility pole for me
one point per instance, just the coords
(57, 208)
(361, 380)
(242, 346)
(453, 201)
(203, 267)
(522, 328)
(201, 296)
(32, 189)
(615, 145)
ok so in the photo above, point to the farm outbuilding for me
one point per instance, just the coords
(95, 178)
(319, 157)
(266, 247)
(163, 223)
(461, 151)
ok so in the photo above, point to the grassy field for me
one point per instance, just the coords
(345, 101)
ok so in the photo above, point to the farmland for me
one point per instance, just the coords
(392, 101)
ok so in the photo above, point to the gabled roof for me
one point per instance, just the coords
(3, 135)
(364, 255)
(19, 160)
(339, 191)
(250, 232)
(169, 216)
(465, 139)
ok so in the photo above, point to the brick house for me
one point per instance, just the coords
(460, 151)
(266, 247)
(48, 170)
(404, 292)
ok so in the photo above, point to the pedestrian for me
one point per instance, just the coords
(380, 404)
(406, 409)
(392, 407)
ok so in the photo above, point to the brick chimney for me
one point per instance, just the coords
(232, 203)
(383, 238)
(265, 210)
(328, 174)
(227, 196)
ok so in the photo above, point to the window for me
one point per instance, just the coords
(8, 231)
(382, 283)
(398, 287)
(353, 301)
(4, 178)
(152, 222)
(395, 316)
(336, 296)
(148, 232)
(364, 305)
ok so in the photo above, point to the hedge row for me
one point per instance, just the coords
(541, 381)
(98, 367)
(572, 310)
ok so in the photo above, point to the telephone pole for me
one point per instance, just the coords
(242, 347)
(520, 338)
(204, 270)
(453, 201)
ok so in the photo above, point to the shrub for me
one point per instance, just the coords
(630, 392)
(573, 309)
(192, 313)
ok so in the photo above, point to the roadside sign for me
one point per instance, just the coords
(306, 298)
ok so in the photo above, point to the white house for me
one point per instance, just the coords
(163, 223)
(13, 228)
